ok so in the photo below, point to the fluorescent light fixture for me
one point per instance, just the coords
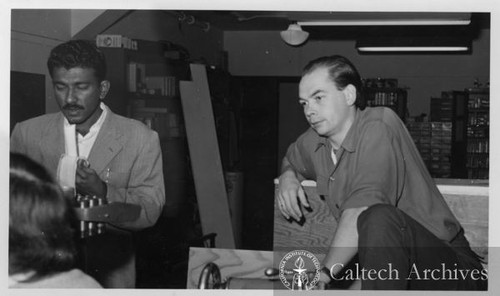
(412, 48)
(387, 19)
(414, 44)
(422, 22)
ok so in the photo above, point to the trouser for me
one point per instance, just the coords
(411, 257)
(110, 258)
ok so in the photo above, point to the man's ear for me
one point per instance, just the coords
(104, 89)
(350, 94)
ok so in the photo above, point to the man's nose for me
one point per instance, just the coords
(309, 110)
(70, 96)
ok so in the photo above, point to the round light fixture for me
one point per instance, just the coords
(294, 35)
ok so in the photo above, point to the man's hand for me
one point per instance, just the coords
(88, 182)
(290, 193)
(320, 286)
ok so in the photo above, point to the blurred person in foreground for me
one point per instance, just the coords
(42, 233)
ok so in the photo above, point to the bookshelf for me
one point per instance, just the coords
(145, 86)
(468, 113)
(392, 97)
(478, 105)
(451, 109)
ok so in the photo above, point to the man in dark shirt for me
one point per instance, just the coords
(388, 208)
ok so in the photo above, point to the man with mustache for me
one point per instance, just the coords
(96, 152)
(388, 208)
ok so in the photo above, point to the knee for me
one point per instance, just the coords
(378, 217)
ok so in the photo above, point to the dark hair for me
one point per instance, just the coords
(41, 221)
(78, 53)
(342, 72)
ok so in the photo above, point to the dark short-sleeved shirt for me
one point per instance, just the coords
(377, 162)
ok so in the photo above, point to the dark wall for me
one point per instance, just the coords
(292, 121)
(259, 142)
(27, 96)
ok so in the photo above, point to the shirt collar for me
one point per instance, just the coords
(94, 129)
(351, 137)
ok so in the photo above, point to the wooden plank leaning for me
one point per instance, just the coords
(205, 158)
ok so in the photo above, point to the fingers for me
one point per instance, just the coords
(282, 199)
(84, 166)
(81, 175)
(295, 207)
(85, 172)
(302, 197)
(290, 196)
(289, 204)
(83, 163)
(281, 207)
(86, 179)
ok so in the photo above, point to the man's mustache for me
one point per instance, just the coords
(72, 107)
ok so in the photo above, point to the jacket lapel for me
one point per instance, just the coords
(107, 145)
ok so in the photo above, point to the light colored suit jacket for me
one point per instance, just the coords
(126, 154)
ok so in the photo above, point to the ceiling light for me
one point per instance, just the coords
(421, 44)
(390, 19)
(294, 35)
(386, 23)
(413, 48)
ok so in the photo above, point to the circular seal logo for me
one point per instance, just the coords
(299, 270)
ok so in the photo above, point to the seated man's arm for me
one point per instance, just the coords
(290, 192)
(296, 167)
